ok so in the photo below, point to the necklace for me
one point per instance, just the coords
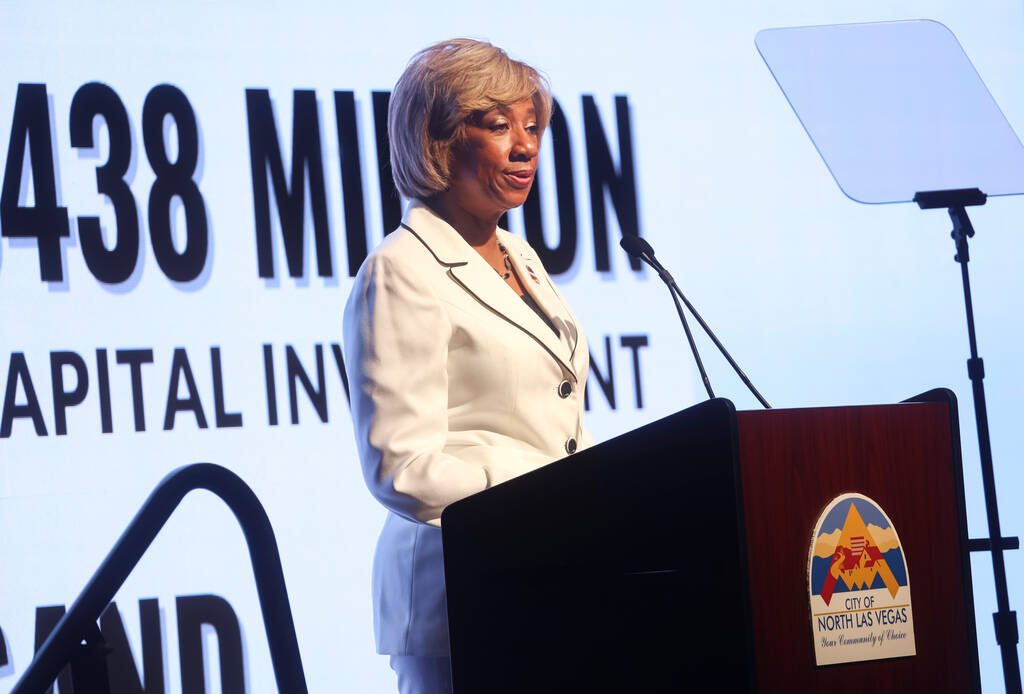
(508, 264)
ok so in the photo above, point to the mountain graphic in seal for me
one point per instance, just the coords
(857, 558)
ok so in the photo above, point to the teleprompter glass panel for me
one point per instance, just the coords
(895, 108)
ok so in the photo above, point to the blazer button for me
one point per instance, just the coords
(564, 389)
(570, 446)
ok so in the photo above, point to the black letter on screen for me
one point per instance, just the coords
(289, 196)
(339, 359)
(351, 179)
(44, 221)
(560, 258)
(223, 418)
(116, 264)
(18, 371)
(180, 367)
(607, 385)
(317, 396)
(103, 376)
(124, 677)
(135, 358)
(268, 374)
(390, 201)
(174, 181)
(634, 343)
(46, 619)
(63, 398)
(193, 612)
(601, 173)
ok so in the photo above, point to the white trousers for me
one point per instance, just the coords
(423, 674)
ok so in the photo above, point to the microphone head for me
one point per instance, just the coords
(636, 246)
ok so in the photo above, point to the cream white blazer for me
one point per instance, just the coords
(457, 385)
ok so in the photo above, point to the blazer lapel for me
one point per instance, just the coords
(470, 271)
(539, 286)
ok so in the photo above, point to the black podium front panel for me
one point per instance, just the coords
(620, 568)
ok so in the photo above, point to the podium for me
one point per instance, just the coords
(676, 557)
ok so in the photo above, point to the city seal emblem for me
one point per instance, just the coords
(858, 585)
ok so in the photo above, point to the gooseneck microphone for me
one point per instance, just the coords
(638, 247)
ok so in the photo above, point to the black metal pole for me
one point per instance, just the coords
(80, 620)
(1004, 618)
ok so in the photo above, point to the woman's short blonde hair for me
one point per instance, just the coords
(443, 86)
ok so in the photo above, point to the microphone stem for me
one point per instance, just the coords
(674, 288)
(639, 248)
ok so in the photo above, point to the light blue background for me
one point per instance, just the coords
(821, 300)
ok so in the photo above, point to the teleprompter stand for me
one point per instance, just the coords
(956, 202)
(894, 109)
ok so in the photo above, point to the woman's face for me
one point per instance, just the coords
(495, 164)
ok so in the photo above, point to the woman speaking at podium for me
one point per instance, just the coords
(466, 366)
